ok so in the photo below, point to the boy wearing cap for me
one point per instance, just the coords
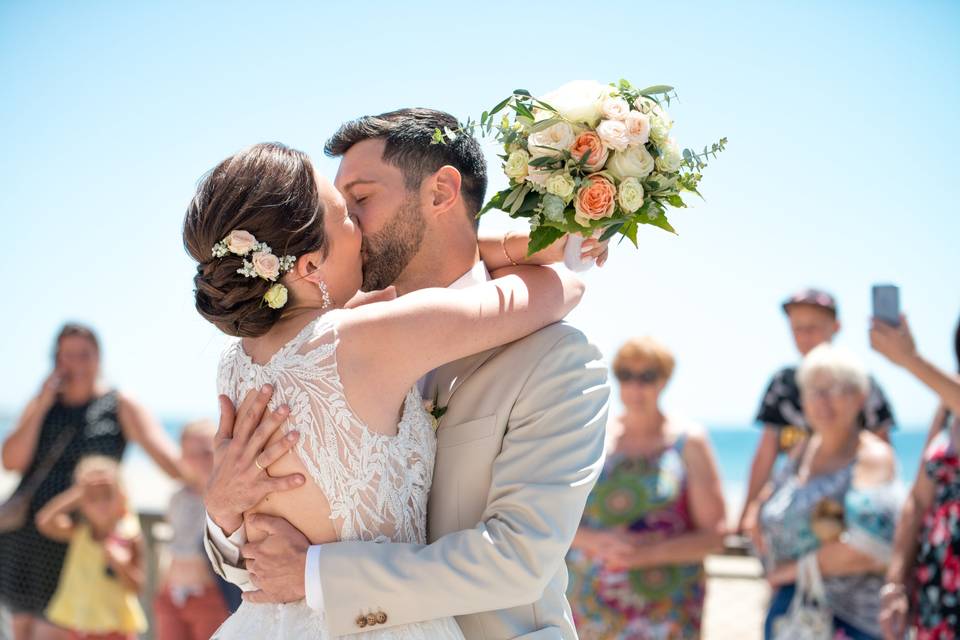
(812, 315)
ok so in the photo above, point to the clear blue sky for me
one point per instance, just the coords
(841, 169)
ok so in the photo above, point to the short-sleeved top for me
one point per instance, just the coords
(781, 409)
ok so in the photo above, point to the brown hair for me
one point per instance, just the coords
(645, 349)
(270, 191)
(76, 330)
(409, 146)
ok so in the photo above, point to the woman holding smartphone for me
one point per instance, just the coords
(74, 415)
(924, 573)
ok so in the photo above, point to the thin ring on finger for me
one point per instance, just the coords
(256, 461)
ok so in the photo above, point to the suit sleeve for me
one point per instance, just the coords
(224, 554)
(551, 457)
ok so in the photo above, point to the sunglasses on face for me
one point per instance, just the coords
(649, 376)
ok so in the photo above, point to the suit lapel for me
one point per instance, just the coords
(447, 379)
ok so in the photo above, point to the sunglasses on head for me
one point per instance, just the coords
(649, 376)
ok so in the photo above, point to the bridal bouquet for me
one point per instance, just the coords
(589, 159)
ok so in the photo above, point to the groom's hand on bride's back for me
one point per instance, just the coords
(277, 564)
(241, 455)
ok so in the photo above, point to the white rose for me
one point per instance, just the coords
(613, 134)
(660, 125)
(549, 141)
(638, 127)
(630, 195)
(614, 108)
(538, 178)
(560, 184)
(516, 165)
(670, 157)
(635, 162)
(579, 101)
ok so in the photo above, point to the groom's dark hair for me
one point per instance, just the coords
(409, 146)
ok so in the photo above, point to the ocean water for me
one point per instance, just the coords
(733, 447)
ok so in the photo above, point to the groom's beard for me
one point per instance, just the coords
(387, 253)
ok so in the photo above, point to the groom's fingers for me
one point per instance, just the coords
(256, 596)
(278, 449)
(227, 417)
(285, 483)
(265, 430)
(251, 412)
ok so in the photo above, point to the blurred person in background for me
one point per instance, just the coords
(189, 604)
(923, 581)
(636, 565)
(74, 415)
(813, 318)
(833, 507)
(103, 572)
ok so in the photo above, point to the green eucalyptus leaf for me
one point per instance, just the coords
(500, 106)
(542, 237)
(611, 231)
(656, 89)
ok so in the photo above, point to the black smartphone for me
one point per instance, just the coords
(886, 304)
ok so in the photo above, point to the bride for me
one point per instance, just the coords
(278, 258)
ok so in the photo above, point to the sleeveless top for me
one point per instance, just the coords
(646, 495)
(29, 562)
(937, 569)
(376, 485)
(90, 599)
(866, 517)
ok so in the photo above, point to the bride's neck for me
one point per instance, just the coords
(261, 348)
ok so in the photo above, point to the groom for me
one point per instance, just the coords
(520, 443)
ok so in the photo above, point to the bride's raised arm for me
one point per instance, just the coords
(401, 340)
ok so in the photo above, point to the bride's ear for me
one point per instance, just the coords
(310, 267)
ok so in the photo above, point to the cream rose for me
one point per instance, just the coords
(597, 199)
(614, 108)
(630, 195)
(670, 157)
(635, 162)
(276, 296)
(266, 265)
(561, 185)
(551, 141)
(240, 242)
(638, 127)
(579, 101)
(613, 133)
(590, 141)
(516, 165)
(660, 125)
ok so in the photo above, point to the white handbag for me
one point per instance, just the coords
(809, 617)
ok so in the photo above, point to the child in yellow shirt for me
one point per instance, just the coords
(103, 572)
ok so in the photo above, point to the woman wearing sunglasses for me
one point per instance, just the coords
(636, 565)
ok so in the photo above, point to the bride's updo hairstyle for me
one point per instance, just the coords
(270, 191)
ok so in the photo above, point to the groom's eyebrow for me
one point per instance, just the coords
(359, 181)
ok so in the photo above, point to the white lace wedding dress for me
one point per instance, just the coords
(376, 485)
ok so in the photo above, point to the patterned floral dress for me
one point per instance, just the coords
(647, 495)
(937, 573)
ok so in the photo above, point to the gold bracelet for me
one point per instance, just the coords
(503, 245)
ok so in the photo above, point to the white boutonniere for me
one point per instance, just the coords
(435, 410)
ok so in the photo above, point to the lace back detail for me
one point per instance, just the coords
(376, 485)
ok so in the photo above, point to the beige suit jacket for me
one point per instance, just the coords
(519, 449)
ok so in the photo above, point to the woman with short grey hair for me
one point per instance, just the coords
(830, 512)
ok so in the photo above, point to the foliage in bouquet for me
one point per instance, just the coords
(589, 158)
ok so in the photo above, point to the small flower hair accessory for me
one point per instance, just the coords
(261, 264)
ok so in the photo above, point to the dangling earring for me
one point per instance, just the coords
(326, 295)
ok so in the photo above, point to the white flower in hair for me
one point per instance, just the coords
(262, 264)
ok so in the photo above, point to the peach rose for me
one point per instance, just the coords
(266, 265)
(638, 128)
(590, 141)
(240, 242)
(597, 199)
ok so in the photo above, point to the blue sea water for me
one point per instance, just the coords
(733, 447)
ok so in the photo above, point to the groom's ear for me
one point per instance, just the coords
(445, 189)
